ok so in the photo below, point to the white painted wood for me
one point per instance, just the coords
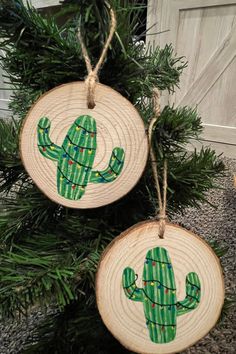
(218, 63)
(190, 4)
(205, 32)
(5, 92)
(227, 149)
(4, 87)
(44, 3)
(217, 133)
(4, 114)
(4, 104)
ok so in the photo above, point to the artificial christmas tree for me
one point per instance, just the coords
(50, 253)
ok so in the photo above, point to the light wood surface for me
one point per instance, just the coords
(118, 124)
(204, 32)
(188, 253)
(43, 3)
(5, 92)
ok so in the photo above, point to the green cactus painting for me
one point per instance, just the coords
(76, 156)
(158, 294)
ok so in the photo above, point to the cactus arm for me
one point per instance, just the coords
(129, 285)
(193, 295)
(113, 170)
(46, 147)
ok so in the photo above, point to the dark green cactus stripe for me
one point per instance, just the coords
(159, 294)
(193, 284)
(46, 147)
(193, 295)
(74, 143)
(161, 304)
(71, 158)
(113, 170)
(159, 269)
(77, 184)
(91, 143)
(80, 146)
(156, 260)
(76, 157)
(157, 281)
(162, 324)
(83, 127)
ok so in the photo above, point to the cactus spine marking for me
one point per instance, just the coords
(75, 157)
(158, 294)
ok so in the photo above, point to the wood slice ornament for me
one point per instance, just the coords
(83, 144)
(159, 295)
(81, 157)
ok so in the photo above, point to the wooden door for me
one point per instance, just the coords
(204, 31)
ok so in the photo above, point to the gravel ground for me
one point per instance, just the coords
(218, 224)
(211, 224)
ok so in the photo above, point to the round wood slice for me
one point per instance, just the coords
(159, 295)
(80, 157)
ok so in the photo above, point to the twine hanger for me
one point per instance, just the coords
(161, 198)
(92, 77)
(91, 81)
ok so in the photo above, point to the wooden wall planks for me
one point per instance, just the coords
(204, 32)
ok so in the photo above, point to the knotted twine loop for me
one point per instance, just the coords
(92, 77)
(161, 198)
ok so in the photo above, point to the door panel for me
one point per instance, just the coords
(205, 33)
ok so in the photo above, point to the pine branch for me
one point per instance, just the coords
(11, 169)
(190, 176)
(47, 268)
(78, 329)
(54, 266)
(162, 69)
(220, 249)
(175, 128)
(24, 211)
(193, 175)
(27, 279)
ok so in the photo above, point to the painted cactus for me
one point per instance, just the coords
(76, 156)
(158, 294)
